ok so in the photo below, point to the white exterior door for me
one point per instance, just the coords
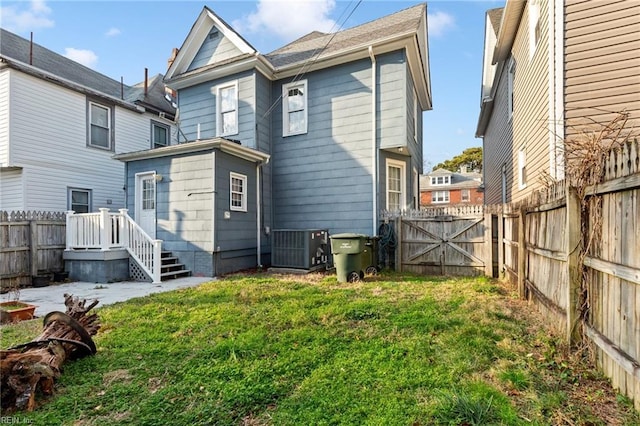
(146, 202)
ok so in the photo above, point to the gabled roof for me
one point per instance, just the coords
(406, 29)
(323, 45)
(53, 67)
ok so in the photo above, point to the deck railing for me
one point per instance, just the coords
(108, 231)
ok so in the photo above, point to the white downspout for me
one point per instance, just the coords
(374, 139)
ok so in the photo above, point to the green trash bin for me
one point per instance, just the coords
(370, 256)
(347, 250)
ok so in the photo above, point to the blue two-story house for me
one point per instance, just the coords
(322, 133)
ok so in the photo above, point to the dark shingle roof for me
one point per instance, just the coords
(458, 180)
(306, 47)
(16, 48)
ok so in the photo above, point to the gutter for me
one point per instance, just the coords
(374, 144)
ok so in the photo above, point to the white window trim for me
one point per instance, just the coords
(522, 164)
(464, 199)
(243, 178)
(155, 124)
(403, 181)
(446, 199)
(446, 180)
(109, 128)
(70, 191)
(511, 76)
(219, 88)
(534, 22)
(285, 107)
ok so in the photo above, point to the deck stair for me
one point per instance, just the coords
(170, 267)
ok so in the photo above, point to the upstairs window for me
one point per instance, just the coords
(294, 108)
(159, 135)
(238, 192)
(440, 180)
(79, 200)
(534, 26)
(522, 168)
(227, 109)
(510, 85)
(100, 126)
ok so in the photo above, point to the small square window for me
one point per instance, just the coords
(238, 192)
(79, 200)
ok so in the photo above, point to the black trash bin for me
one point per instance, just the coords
(347, 250)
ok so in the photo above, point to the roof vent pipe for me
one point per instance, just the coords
(146, 81)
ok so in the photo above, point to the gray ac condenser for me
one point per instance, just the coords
(299, 248)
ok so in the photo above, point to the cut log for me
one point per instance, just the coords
(32, 368)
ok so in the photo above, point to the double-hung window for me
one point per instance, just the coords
(522, 168)
(238, 192)
(79, 200)
(440, 180)
(440, 196)
(227, 109)
(510, 85)
(465, 195)
(294, 108)
(395, 185)
(100, 126)
(159, 135)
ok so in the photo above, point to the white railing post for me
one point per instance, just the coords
(105, 229)
(70, 237)
(124, 228)
(157, 261)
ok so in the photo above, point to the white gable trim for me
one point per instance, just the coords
(201, 28)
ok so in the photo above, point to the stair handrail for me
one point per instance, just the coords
(146, 251)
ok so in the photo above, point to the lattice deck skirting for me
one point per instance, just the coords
(136, 273)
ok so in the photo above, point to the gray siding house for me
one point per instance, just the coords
(327, 132)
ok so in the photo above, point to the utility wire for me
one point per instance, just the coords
(316, 54)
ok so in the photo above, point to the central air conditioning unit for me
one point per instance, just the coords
(299, 248)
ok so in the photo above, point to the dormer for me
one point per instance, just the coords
(441, 177)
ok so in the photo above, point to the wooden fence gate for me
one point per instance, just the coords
(446, 241)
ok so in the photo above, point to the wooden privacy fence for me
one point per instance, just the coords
(452, 240)
(578, 260)
(31, 244)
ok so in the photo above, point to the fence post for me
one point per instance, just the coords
(574, 274)
(33, 243)
(105, 229)
(522, 252)
(488, 244)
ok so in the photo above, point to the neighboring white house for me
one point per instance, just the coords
(60, 125)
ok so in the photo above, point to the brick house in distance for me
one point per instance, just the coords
(443, 187)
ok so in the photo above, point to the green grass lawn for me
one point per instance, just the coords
(305, 350)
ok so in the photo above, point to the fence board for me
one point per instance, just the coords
(31, 243)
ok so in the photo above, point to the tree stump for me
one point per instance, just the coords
(32, 367)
